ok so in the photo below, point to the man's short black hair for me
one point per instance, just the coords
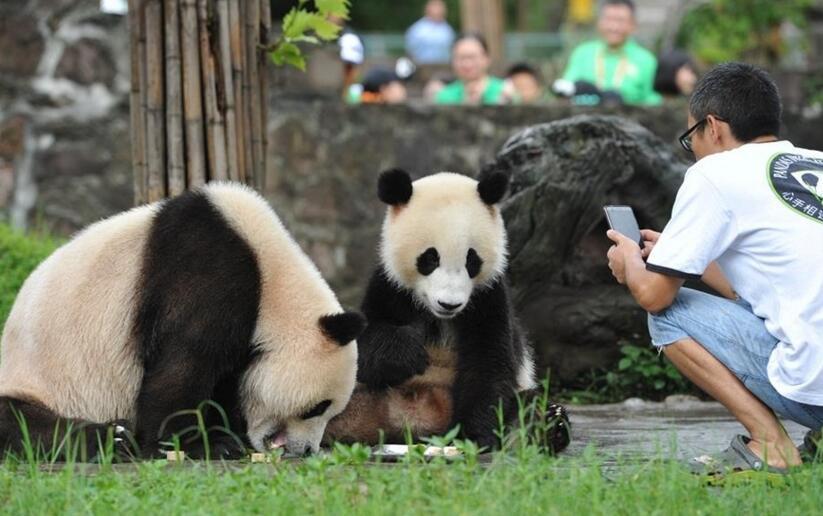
(627, 3)
(742, 95)
(518, 68)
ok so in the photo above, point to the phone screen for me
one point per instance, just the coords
(622, 220)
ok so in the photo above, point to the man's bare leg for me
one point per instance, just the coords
(769, 438)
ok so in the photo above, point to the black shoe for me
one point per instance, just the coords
(808, 450)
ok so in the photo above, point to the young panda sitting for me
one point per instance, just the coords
(442, 346)
(149, 313)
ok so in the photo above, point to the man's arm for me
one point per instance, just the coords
(654, 292)
(713, 276)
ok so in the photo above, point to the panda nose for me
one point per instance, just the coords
(448, 306)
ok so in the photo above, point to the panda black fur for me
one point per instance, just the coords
(201, 297)
(440, 291)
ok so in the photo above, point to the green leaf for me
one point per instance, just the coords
(624, 364)
(336, 7)
(297, 22)
(288, 53)
(325, 29)
(305, 39)
(659, 384)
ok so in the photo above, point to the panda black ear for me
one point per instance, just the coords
(343, 328)
(394, 187)
(492, 187)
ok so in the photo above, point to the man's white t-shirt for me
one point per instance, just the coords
(758, 211)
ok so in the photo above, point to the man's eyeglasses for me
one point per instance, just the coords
(686, 138)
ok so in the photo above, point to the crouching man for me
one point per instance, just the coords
(748, 221)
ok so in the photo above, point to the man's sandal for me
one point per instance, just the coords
(735, 459)
(809, 449)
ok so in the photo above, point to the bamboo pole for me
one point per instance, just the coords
(215, 124)
(155, 124)
(247, 174)
(176, 164)
(252, 43)
(226, 93)
(136, 102)
(265, 31)
(192, 103)
(488, 18)
(238, 74)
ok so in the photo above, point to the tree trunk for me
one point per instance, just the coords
(488, 18)
(198, 93)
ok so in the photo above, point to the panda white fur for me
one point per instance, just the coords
(150, 312)
(442, 345)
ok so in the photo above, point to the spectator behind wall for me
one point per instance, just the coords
(676, 75)
(351, 54)
(615, 64)
(383, 86)
(428, 41)
(526, 84)
(474, 85)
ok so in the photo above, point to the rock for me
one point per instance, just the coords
(21, 43)
(11, 138)
(681, 401)
(634, 403)
(83, 171)
(562, 174)
(86, 62)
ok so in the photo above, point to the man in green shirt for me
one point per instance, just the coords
(616, 62)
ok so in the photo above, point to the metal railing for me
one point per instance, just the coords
(518, 45)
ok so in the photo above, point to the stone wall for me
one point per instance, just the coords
(64, 133)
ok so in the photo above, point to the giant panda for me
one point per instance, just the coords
(148, 313)
(442, 345)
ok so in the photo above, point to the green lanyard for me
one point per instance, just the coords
(619, 72)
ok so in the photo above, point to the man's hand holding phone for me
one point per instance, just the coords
(650, 238)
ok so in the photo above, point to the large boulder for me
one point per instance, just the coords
(562, 174)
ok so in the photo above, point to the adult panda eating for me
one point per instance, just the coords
(148, 313)
(442, 345)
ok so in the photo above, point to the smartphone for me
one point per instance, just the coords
(622, 220)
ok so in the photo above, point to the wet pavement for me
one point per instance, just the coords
(680, 428)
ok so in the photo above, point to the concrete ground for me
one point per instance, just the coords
(681, 427)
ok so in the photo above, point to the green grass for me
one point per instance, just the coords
(525, 483)
(19, 255)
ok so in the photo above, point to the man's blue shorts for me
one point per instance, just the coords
(737, 338)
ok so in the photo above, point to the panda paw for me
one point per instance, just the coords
(391, 373)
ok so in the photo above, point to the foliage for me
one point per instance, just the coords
(814, 89)
(343, 483)
(396, 17)
(733, 30)
(641, 373)
(19, 255)
(307, 26)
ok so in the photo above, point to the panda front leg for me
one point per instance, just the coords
(28, 424)
(487, 367)
(480, 396)
(173, 389)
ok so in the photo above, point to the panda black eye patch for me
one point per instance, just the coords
(317, 410)
(473, 263)
(428, 262)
